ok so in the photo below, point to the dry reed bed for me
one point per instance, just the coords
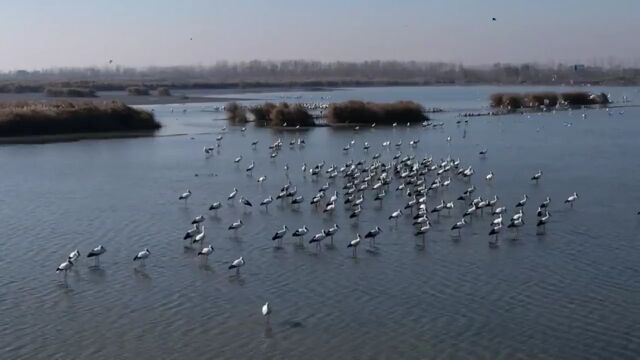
(29, 118)
(514, 101)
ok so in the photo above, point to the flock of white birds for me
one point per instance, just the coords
(355, 183)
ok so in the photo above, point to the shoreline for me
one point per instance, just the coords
(47, 139)
(179, 97)
(130, 100)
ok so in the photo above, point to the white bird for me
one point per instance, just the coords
(236, 225)
(185, 196)
(280, 233)
(142, 255)
(356, 212)
(238, 159)
(516, 224)
(517, 216)
(317, 238)
(237, 264)
(266, 202)
(489, 177)
(195, 230)
(215, 206)
(372, 234)
(522, 202)
(206, 251)
(233, 194)
(197, 220)
(330, 207)
(262, 179)
(74, 255)
(495, 230)
(208, 150)
(395, 215)
(459, 225)
(200, 237)
(449, 206)
(65, 266)
(96, 252)
(543, 220)
(334, 197)
(571, 199)
(266, 311)
(499, 210)
(332, 231)
(245, 202)
(251, 166)
(537, 176)
(354, 244)
(301, 232)
(545, 203)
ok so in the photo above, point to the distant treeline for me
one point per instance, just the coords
(29, 118)
(513, 101)
(301, 73)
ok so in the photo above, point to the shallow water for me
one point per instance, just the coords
(573, 292)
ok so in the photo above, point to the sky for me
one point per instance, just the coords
(77, 33)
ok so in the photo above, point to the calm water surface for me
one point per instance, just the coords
(571, 293)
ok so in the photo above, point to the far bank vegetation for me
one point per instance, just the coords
(69, 92)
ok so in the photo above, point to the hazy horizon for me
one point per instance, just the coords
(38, 34)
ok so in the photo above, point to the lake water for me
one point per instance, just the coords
(571, 293)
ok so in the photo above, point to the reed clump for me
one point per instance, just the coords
(291, 115)
(360, 112)
(281, 115)
(163, 91)
(584, 99)
(236, 113)
(31, 118)
(514, 101)
(262, 113)
(138, 91)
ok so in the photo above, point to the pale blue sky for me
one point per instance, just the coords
(46, 33)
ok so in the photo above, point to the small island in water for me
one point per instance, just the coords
(52, 118)
(349, 113)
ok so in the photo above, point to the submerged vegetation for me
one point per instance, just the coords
(29, 118)
(69, 92)
(514, 101)
(360, 112)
